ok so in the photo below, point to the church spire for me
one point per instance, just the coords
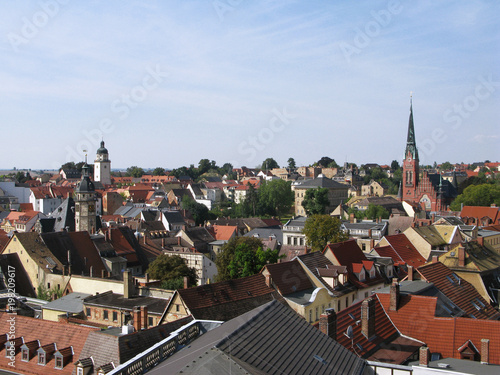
(411, 145)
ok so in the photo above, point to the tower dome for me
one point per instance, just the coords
(102, 149)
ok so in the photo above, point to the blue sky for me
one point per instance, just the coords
(167, 83)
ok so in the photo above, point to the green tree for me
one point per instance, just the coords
(134, 171)
(48, 294)
(375, 211)
(316, 201)
(276, 198)
(359, 215)
(199, 211)
(251, 202)
(321, 229)
(325, 162)
(446, 166)
(477, 195)
(158, 171)
(291, 163)
(395, 165)
(226, 258)
(171, 268)
(269, 163)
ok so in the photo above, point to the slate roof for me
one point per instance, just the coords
(118, 301)
(47, 332)
(477, 258)
(271, 339)
(64, 216)
(266, 233)
(227, 299)
(387, 345)
(72, 303)
(459, 291)
(415, 318)
(322, 182)
(110, 346)
(431, 235)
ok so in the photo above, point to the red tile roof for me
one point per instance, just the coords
(415, 318)
(480, 212)
(385, 336)
(222, 232)
(404, 250)
(459, 291)
(52, 191)
(48, 333)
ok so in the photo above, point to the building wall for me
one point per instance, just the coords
(176, 310)
(422, 246)
(95, 285)
(97, 314)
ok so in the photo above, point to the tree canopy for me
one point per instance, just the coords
(321, 229)
(134, 171)
(158, 171)
(243, 256)
(316, 201)
(199, 211)
(375, 212)
(269, 163)
(171, 268)
(291, 163)
(477, 195)
(275, 198)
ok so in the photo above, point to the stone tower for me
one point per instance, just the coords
(102, 166)
(85, 203)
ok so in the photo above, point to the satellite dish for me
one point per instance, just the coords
(348, 333)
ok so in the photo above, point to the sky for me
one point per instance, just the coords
(168, 83)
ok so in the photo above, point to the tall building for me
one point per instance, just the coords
(430, 191)
(85, 203)
(102, 166)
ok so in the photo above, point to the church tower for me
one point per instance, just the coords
(102, 166)
(410, 162)
(85, 201)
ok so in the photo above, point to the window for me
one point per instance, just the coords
(59, 362)
(25, 355)
(115, 316)
(88, 312)
(79, 371)
(105, 314)
(177, 308)
(150, 321)
(41, 358)
(310, 316)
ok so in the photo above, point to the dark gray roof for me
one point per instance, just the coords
(173, 217)
(298, 221)
(365, 225)
(72, 303)
(322, 182)
(113, 300)
(64, 216)
(265, 233)
(271, 339)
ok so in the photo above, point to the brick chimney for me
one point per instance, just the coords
(328, 323)
(485, 351)
(128, 287)
(368, 317)
(351, 218)
(410, 273)
(480, 240)
(144, 317)
(424, 356)
(178, 241)
(186, 282)
(435, 259)
(461, 256)
(394, 295)
(137, 318)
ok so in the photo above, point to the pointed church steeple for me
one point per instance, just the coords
(411, 145)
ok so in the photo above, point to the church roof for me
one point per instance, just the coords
(102, 149)
(411, 145)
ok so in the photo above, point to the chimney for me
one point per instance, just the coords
(144, 317)
(435, 259)
(186, 282)
(351, 218)
(146, 277)
(368, 317)
(410, 273)
(328, 323)
(137, 318)
(424, 354)
(461, 256)
(485, 351)
(127, 285)
(480, 240)
(394, 295)
(369, 233)
(163, 242)
(91, 271)
(178, 241)
(372, 243)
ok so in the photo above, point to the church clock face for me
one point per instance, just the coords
(91, 208)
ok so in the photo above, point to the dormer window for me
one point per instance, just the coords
(25, 357)
(41, 358)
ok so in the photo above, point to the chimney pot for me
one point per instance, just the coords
(424, 354)
(144, 317)
(368, 317)
(328, 323)
(394, 295)
(485, 351)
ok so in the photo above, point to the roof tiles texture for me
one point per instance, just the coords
(405, 250)
(289, 277)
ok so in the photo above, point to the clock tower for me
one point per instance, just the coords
(85, 201)
(410, 163)
(102, 166)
